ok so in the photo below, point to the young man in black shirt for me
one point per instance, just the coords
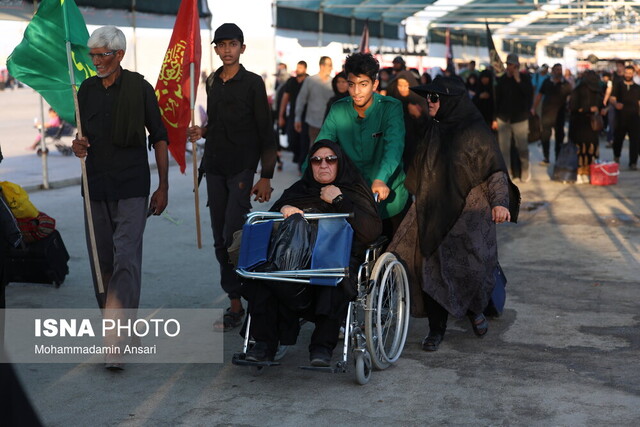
(238, 135)
(625, 98)
(553, 93)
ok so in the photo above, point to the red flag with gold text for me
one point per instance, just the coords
(173, 87)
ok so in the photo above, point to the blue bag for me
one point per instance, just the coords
(254, 244)
(566, 167)
(332, 248)
(499, 294)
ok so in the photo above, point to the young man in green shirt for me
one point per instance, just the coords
(370, 129)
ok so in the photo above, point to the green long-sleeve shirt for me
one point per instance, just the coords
(374, 143)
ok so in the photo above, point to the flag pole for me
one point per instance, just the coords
(83, 166)
(43, 147)
(194, 152)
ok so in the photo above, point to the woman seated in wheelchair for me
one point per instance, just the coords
(331, 184)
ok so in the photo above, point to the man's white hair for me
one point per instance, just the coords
(110, 37)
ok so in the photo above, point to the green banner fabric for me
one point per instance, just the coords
(40, 60)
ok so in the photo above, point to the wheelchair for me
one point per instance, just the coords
(377, 319)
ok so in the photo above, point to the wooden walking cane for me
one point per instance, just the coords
(194, 151)
(85, 183)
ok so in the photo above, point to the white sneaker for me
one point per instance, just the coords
(582, 179)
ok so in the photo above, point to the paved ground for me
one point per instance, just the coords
(565, 352)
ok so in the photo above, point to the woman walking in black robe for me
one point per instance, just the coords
(462, 191)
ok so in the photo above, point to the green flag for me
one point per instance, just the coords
(40, 60)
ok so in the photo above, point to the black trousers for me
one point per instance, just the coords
(229, 203)
(627, 125)
(552, 120)
(298, 142)
(437, 315)
(275, 322)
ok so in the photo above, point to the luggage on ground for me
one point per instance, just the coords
(604, 173)
(566, 167)
(42, 261)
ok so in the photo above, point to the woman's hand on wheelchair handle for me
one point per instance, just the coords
(288, 210)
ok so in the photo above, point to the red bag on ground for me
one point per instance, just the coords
(604, 173)
(37, 228)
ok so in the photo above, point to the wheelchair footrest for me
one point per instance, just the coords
(339, 368)
(239, 359)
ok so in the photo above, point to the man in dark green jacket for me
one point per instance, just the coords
(370, 129)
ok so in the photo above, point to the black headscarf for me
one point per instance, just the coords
(336, 95)
(392, 90)
(459, 152)
(591, 80)
(305, 194)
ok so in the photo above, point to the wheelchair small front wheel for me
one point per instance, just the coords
(363, 367)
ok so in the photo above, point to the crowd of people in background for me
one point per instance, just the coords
(561, 103)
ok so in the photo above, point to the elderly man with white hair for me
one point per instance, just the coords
(116, 106)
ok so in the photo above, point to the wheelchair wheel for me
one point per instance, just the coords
(363, 367)
(387, 314)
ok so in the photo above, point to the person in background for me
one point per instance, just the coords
(539, 78)
(287, 114)
(239, 134)
(340, 87)
(398, 65)
(586, 99)
(471, 83)
(51, 128)
(281, 75)
(514, 96)
(313, 96)
(568, 76)
(625, 98)
(484, 99)
(425, 78)
(414, 109)
(554, 93)
(469, 71)
(384, 77)
(608, 117)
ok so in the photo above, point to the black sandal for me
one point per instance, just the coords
(432, 341)
(229, 320)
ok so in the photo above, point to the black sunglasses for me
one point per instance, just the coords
(433, 97)
(317, 160)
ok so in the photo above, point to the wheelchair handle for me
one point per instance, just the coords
(257, 217)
